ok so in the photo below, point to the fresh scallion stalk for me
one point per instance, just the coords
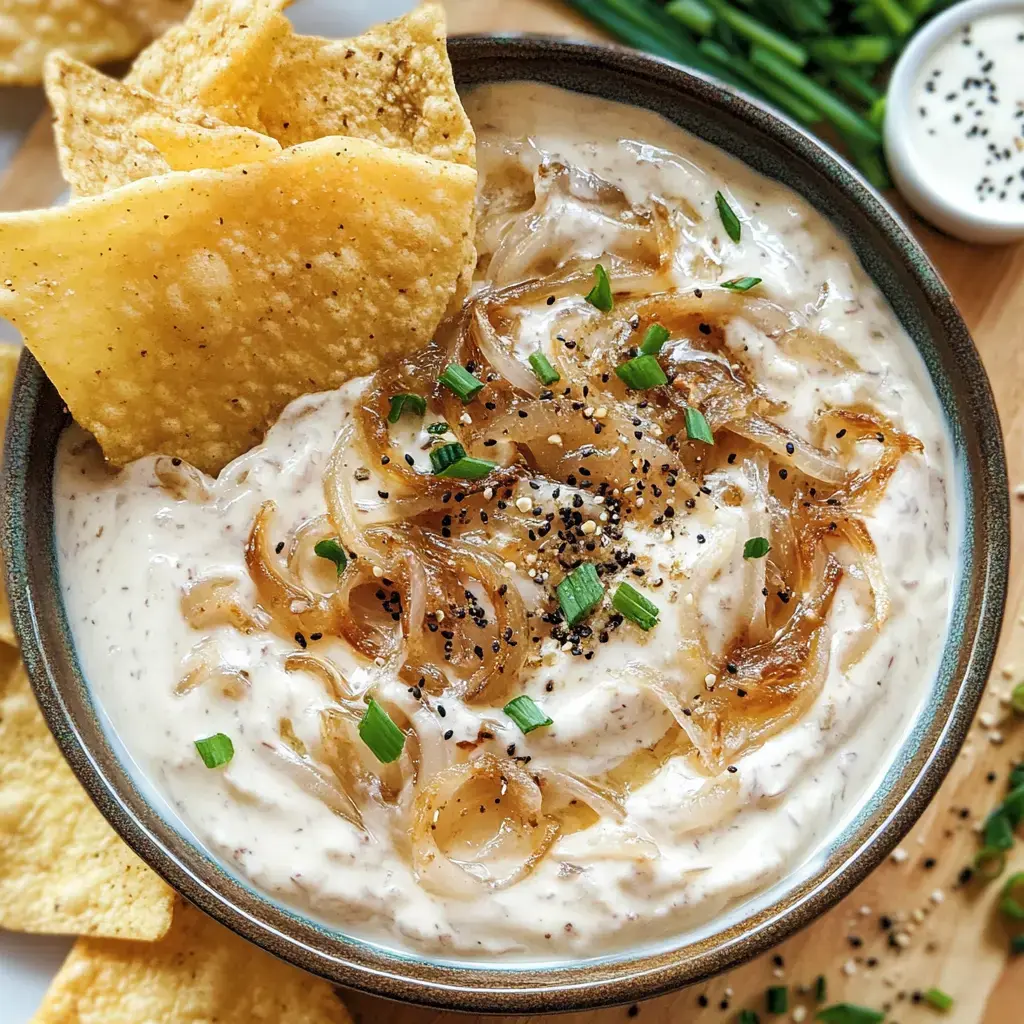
(541, 366)
(380, 734)
(215, 750)
(758, 33)
(854, 50)
(400, 404)
(630, 602)
(853, 84)
(832, 108)
(654, 337)
(580, 593)
(524, 711)
(458, 379)
(895, 14)
(641, 372)
(692, 14)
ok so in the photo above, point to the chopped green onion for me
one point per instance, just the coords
(600, 296)
(998, 832)
(546, 373)
(697, 428)
(989, 863)
(654, 338)
(938, 999)
(757, 32)
(756, 547)
(333, 552)
(580, 593)
(851, 49)
(748, 1017)
(215, 750)
(641, 372)
(1017, 944)
(438, 428)
(821, 988)
(380, 734)
(849, 1013)
(631, 603)
(693, 14)
(741, 284)
(451, 461)
(399, 403)
(730, 221)
(461, 381)
(1016, 778)
(526, 714)
(777, 999)
(1010, 900)
(1017, 699)
(1013, 806)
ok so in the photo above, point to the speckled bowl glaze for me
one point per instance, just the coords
(782, 151)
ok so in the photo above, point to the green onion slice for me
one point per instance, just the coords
(937, 998)
(730, 221)
(380, 734)
(1011, 899)
(450, 460)
(1017, 699)
(756, 547)
(580, 593)
(697, 428)
(546, 373)
(849, 1013)
(654, 337)
(748, 1017)
(989, 863)
(400, 403)
(631, 603)
(1017, 776)
(333, 552)
(777, 999)
(458, 379)
(641, 373)
(741, 284)
(998, 830)
(821, 988)
(215, 750)
(1013, 806)
(600, 296)
(526, 714)
(438, 428)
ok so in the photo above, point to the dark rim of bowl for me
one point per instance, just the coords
(899, 267)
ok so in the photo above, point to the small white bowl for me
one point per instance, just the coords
(920, 184)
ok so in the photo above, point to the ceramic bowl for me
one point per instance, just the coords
(780, 150)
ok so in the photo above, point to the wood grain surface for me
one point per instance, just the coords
(956, 941)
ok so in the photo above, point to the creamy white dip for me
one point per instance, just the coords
(127, 549)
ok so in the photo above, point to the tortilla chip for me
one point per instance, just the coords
(96, 120)
(30, 29)
(201, 303)
(63, 871)
(216, 59)
(191, 147)
(9, 356)
(200, 973)
(392, 84)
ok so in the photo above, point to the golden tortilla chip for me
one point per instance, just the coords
(63, 871)
(180, 314)
(200, 973)
(96, 120)
(392, 84)
(30, 29)
(9, 356)
(216, 59)
(191, 147)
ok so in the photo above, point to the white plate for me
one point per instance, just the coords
(28, 962)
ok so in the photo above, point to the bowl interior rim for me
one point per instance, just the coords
(36, 419)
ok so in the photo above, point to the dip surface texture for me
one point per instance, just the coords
(657, 839)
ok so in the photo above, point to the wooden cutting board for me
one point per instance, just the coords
(956, 940)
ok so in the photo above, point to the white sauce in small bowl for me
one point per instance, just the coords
(126, 551)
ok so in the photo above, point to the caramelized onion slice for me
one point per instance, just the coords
(181, 480)
(523, 833)
(213, 601)
(204, 667)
